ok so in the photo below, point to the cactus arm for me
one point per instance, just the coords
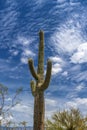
(32, 70)
(33, 87)
(48, 76)
(40, 70)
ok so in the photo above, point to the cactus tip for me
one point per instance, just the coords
(30, 59)
(41, 32)
(49, 61)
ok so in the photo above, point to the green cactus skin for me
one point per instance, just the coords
(40, 85)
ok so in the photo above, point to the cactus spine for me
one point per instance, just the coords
(40, 85)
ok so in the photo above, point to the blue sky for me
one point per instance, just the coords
(64, 23)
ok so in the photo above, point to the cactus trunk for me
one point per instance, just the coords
(39, 112)
(41, 84)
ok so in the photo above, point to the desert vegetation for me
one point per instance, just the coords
(71, 119)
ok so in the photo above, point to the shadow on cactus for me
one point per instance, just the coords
(40, 84)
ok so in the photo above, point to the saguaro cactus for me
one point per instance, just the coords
(40, 85)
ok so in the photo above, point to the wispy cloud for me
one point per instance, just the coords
(74, 3)
(26, 50)
(80, 55)
(11, 70)
(4, 65)
(61, 1)
(80, 87)
(69, 43)
(80, 103)
(62, 104)
(24, 41)
(65, 73)
(76, 73)
(50, 107)
(81, 76)
(25, 55)
(40, 2)
(75, 90)
(69, 33)
(8, 21)
(66, 39)
(50, 102)
(13, 52)
(58, 63)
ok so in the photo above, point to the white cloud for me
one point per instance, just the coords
(24, 60)
(72, 94)
(77, 102)
(28, 53)
(75, 68)
(14, 52)
(8, 22)
(50, 102)
(74, 91)
(81, 101)
(1, 117)
(56, 59)
(25, 55)
(80, 76)
(80, 56)
(5, 65)
(40, 2)
(25, 48)
(9, 99)
(21, 108)
(50, 107)
(56, 69)
(66, 39)
(61, 1)
(65, 73)
(58, 63)
(24, 41)
(79, 87)
(62, 104)
(71, 104)
(73, 3)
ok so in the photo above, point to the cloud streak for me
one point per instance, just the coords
(80, 55)
(8, 21)
(25, 46)
(66, 39)
(58, 64)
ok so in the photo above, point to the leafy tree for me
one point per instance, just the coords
(4, 106)
(67, 120)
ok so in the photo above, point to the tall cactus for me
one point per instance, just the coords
(40, 85)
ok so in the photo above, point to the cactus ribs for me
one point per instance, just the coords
(40, 85)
